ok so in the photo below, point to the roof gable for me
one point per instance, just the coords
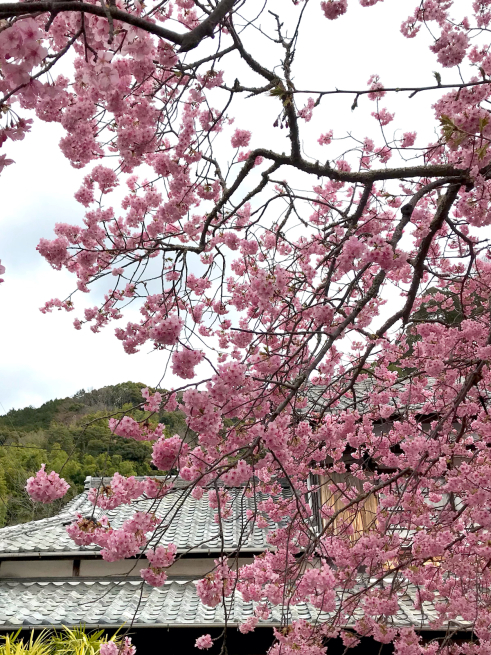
(187, 522)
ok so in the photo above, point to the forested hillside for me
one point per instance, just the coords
(72, 437)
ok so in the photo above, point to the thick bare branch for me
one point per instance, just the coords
(187, 41)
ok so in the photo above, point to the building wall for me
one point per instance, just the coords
(98, 568)
(36, 568)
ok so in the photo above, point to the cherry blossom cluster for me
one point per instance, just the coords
(46, 487)
(116, 544)
(130, 538)
(168, 452)
(204, 642)
(121, 491)
(112, 648)
(153, 401)
(160, 558)
(184, 361)
(328, 315)
(88, 530)
(131, 429)
(217, 584)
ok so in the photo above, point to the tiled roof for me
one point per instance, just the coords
(112, 603)
(319, 395)
(190, 524)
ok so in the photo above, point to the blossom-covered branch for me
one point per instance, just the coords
(324, 300)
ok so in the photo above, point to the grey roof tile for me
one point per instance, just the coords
(187, 522)
(319, 396)
(114, 602)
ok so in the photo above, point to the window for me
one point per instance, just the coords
(337, 491)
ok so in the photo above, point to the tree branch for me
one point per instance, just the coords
(206, 28)
(365, 177)
(187, 41)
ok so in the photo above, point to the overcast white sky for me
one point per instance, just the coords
(42, 356)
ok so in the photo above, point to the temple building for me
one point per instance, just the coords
(46, 580)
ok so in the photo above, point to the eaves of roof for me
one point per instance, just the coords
(112, 603)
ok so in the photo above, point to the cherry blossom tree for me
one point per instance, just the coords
(291, 296)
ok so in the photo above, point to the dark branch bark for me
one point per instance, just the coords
(366, 177)
(362, 204)
(10, 9)
(395, 89)
(418, 262)
(214, 57)
(187, 41)
(250, 61)
(206, 28)
(325, 170)
(436, 224)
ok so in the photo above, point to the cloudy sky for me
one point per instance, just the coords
(42, 356)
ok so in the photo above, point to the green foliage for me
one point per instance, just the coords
(443, 306)
(439, 306)
(75, 641)
(71, 436)
(19, 462)
(13, 645)
(31, 418)
(83, 402)
(114, 396)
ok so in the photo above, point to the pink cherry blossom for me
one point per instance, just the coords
(184, 361)
(46, 487)
(120, 491)
(111, 648)
(324, 310)
(204, 642)
(325, 139)
(153, 401)
(383, 116)
(160, 559)
(87, 530)
(334, 8)
(240, 138)
(5, 161)
(167, 332)
(168, 451)
(408, 139)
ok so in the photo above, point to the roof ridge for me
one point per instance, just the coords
(194, 528)
(92, 481)
(65, 512)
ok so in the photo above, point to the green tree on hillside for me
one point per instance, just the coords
(71, 436)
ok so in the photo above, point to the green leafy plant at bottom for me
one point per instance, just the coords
(69, 641)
